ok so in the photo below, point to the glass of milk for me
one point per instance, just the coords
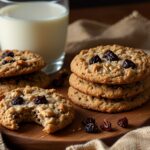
(37, 25)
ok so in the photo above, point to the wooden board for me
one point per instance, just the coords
(30, 136)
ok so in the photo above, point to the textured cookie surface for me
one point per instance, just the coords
(15, 62)
(39, 79)
(111, 64)
(45, 107)
(108, 91)
(107, 105)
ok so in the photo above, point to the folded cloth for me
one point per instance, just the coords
(135, 140)
(133, 30)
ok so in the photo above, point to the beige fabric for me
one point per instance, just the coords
(133, 31)
(135, 140)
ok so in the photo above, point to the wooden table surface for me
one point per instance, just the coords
(110, 14)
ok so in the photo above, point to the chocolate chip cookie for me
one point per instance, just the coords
(39, 79)
(107, 105)
(108, 91)
(43, 106)
(15, 62)
(111, 64)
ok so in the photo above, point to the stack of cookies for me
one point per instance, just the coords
(110, 78)
(21, 68)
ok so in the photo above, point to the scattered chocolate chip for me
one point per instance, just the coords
(7, 61)
(40, 100)
(90, 125)
(8, 53)
(123, 122)
(95, 59)
(128, 64)
(88, 120)
(106, 126)
(91, 128)
(109, 55)
(17, 101)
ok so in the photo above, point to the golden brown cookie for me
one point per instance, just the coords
(111, 64)
(43, 106)
(17, 62)
(108, 91)
(39, 79)
(107, 105)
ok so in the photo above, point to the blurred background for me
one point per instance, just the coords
(107, 11)
(93, 3)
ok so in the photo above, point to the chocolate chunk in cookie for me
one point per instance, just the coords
(128, 64)
(109, 55)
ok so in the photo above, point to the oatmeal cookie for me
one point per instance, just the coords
(109, 91)
(107, 105)
(111, 64)
(43, 106)
(16, 62)
(39, 79)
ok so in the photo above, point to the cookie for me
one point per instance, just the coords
(108, 91)
(15, 62)
(43, 106)
(111, 64)
(39, 79)
(107, 105)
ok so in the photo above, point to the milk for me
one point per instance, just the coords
(38, 26)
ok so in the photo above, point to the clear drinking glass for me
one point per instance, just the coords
(38, 25)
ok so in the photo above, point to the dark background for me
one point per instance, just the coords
(93, 3)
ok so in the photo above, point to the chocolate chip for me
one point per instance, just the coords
(106, 126)
(7, 61)
(128, 64)
(40, 100)
(91, 128)
(95, 59)
(88, 120)
(123, 122)
(90, 125)
(8, 53)
(109, 55)
(17, 101)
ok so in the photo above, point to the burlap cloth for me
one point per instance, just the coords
(133, 31)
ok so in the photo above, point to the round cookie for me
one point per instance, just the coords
(111, 64)
(107, 105)
(39, 79)
(43, 106)
(108, 91)
(15, 62)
